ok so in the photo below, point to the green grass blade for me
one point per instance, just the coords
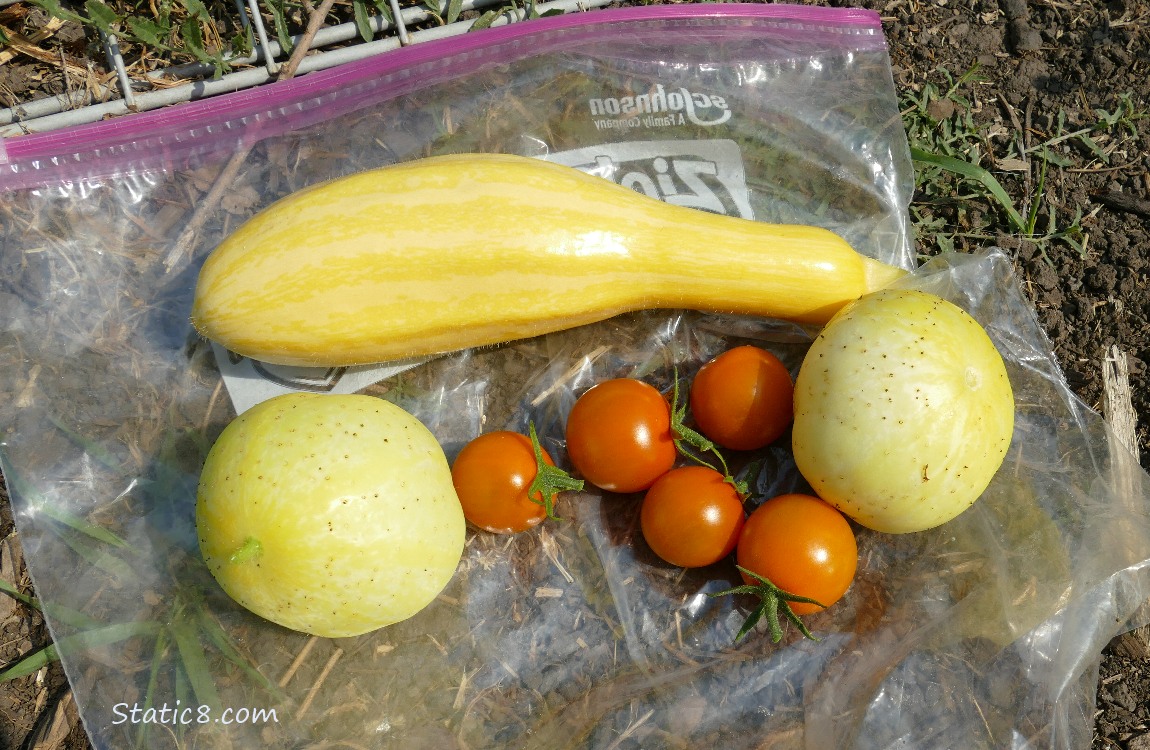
(195, 663)
(102, 636)
(18, 486)
(222, 641)
(70, 617)
(158, 650)
(66, 615)
(31, 663)
(1032, 217)
(78, 642)
(976, 173)
(15, 593)
(91, 447)
(180, 690)
(98, 556)
(74, 522)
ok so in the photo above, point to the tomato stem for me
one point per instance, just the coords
(751, 473)
(549, 480)
(772, 601)
(688, 441)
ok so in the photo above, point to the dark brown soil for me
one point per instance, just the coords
(1040, 64)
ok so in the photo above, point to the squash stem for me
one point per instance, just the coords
(878, 275)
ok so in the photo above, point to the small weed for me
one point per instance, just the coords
(1097, 139)
(941, 121)
(1125, 116)
(287, 16)
(448, 12)
(954, 195)
(527, 11)
(958, 199)
(362, 11)
(178, 28)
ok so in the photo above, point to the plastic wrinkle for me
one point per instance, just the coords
(176, 137)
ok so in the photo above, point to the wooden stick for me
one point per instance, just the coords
(207, 207)
(318, 683)
(314, 21)
(1119, 412)
(227, 176)
(1117, 407)
(295, 665)
(1120, 201)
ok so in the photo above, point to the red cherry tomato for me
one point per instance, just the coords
(802, 545)
(692, 517)
(743, 399)
(619, 435)
(491, 475)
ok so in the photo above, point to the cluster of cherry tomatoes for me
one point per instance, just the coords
(624, 436)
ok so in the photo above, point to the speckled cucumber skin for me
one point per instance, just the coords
(903, 411)
(332, 515)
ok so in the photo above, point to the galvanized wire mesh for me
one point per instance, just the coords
(331, 46)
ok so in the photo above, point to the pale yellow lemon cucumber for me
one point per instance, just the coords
(451, 252)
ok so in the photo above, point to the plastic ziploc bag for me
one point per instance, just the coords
(984, 632)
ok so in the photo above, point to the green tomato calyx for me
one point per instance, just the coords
(549, 480)
(772, 601)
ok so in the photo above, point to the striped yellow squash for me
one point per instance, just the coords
(450, 252)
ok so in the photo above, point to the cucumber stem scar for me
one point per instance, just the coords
(250, 550)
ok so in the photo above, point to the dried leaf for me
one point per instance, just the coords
(240, 200)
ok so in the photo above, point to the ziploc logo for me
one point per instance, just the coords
(659, 108)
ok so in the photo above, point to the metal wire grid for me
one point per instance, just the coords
(75, 108)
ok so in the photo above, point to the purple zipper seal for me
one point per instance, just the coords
(165, 137)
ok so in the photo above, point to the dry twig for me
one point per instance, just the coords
(314, 21)
(1120, 201)
(228, 174)
(27, 44)
(1119, 412)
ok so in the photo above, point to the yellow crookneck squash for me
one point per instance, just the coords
(449, 252)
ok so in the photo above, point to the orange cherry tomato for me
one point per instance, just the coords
(692, 517)
(743, 399)
(802, 545)
(492, 475)
(619, 435)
